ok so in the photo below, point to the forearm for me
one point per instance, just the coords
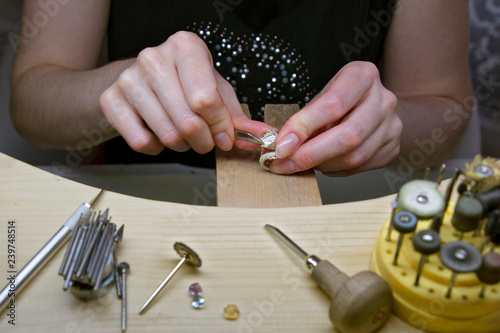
(54, 107)
(432, 128)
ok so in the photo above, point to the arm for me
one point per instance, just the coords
(170, 96)
(356, 123)
(55, 82)
(429, 73)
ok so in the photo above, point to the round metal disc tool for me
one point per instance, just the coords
(483, 171)
(426, 241)
(460, 257)
(192, 257)
(422, 198)
(404, 222)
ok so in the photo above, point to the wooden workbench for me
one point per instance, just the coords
(242, 263)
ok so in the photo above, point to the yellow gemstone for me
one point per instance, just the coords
(231, 312)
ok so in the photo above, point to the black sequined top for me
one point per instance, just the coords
(271, 51)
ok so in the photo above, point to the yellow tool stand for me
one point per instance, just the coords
(426, 306)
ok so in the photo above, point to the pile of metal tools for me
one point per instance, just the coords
(89, 266)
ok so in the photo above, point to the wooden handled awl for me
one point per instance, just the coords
(361, 303)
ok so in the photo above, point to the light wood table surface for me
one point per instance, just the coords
(242, 263)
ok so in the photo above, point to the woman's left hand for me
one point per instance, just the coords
(350, 127)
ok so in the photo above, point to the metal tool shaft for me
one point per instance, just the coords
(248, 137)
(287, 241)
(124, 299)
(160, 287)
(117, 277)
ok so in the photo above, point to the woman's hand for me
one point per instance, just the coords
(173, 97)
(350, 127)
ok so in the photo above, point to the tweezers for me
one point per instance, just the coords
(247, 137)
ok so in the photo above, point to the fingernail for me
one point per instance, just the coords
(283, 166)
(287, 146)
(223, 141)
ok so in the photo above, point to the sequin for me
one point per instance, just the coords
(231, 312)
(251, 62)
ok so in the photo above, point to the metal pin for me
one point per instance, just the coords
(104, 258)
(404, 222)
(122, 270)
(427, 173)
(98, 253)
(459, 257)
(95, 233)
(116, 238)
(187, 256)
(85, 238)
(116, 276)
(425, 242)
(91, 203)
(441, 173)
(69, 274)
(102, 239)
(71, 246)
(394, 205)
(449, 190)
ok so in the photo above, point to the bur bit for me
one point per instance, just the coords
(187, 256)
(116, 238)
(122, 270)
(361, 303)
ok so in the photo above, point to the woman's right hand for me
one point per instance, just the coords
(172, 96)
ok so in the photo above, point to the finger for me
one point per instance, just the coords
(190, 126)
(344, 92)
(374, 153)
(254, 127)
(349, 135)
(239, 118)
(387, 153)
(197, 78)
(146, 104)
(367, 157)
(125, 121)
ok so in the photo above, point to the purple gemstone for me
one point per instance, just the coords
(195, 289)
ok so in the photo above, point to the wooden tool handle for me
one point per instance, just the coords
(361, 303)
(328, 277)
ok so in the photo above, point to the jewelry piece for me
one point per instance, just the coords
(269, 139)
